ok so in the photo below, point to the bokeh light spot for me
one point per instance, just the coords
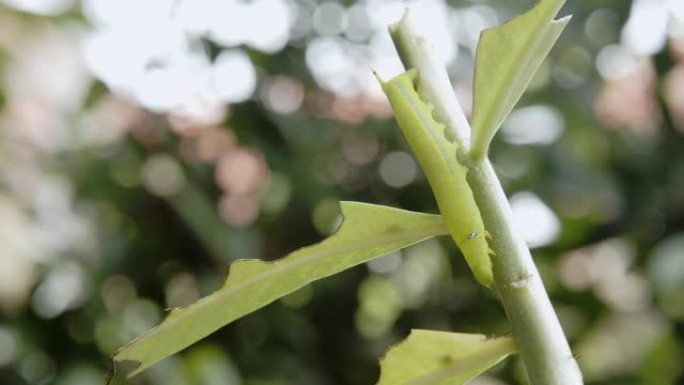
(379, 307)
(283, 95)
(38, 368)
(614, 62)
(646, 15)
(360, 149)
(601, 27)
(241, 172)
(9, 346)
(181, 290)
(539, 125)
(239, 210)
(276, 193)
(234, 76)
(385, 264)
(41, 7)
(163, 175)
(326, 216)
(329, 18)
(398, 169)
(64, 288)
(538, 225)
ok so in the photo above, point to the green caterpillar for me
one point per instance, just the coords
(447, 177)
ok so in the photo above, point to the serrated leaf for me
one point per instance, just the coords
(428, 357)
(367, 231)
(508, 55)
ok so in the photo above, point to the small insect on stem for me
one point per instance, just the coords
(447, 177)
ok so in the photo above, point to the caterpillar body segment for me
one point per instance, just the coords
(447, 177)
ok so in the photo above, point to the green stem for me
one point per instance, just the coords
(543, 347)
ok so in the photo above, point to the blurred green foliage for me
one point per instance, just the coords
(111, 213)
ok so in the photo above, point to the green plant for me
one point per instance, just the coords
(507, 58)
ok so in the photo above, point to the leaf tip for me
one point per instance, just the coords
(563, 20)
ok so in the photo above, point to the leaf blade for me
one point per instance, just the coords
(508, 55)
(428, 357)
(366, 232)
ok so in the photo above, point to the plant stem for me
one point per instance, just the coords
(543, 347)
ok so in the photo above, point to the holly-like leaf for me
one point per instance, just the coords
(428, 357)
(367, 231)
(508, 55)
